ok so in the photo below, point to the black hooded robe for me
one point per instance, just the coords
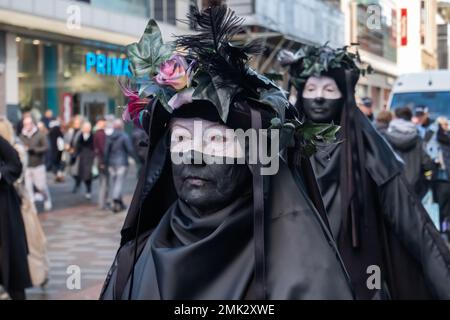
(396, 232)
(212, 257)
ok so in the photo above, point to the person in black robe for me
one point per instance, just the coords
(86, 154)
(204, 230)
(378, 222)
(14, 273)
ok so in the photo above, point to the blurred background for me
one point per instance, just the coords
(64, 55)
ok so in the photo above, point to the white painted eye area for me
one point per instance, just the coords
(180, 139)
(205, 137)
(324, 87)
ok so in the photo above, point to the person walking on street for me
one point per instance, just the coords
(36, 240)
(14, 272)
(86, 155)
(442, 181)
(36, 144)
(71, 138)
(404, 138)
(118, 149)
(99, 148)
(140, 140)
(56, 139)
(366, 107)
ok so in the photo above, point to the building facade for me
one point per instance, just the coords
(66, 55)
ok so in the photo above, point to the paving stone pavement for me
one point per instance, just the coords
(83, 236)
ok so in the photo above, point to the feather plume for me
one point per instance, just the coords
(212, 46)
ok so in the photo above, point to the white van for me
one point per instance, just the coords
(429, 88)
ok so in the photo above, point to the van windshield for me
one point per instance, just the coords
(438, 103)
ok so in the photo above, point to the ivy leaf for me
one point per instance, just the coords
(147, 55)
(164, 94)
(275, 99)
(319, 131)
(209, 88)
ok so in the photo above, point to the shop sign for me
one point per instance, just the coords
(107, 65)
(404, 27)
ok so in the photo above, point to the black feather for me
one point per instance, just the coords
(212, 46)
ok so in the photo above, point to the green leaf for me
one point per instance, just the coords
(319, 131)
(164, 94)
(208, 88)
(147, 55)
(275, 99)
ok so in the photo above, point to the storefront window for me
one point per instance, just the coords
(49, 72)
(377, 34)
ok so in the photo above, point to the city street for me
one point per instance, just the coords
(79, 234)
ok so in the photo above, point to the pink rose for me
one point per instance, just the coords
(174, 72)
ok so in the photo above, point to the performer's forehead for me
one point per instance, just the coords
(188, 123)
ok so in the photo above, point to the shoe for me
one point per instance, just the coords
(38, 197)
(47, 206)
(88, 196)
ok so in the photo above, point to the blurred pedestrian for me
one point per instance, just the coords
(382, 121)
(84, 151)
(36, 145)
(14, 271)
(442, 181)
(118, 149)
(140, 143)
(99, 148)
(71, 138)
(365, 106)
(403, 136)
(19, 124)
(56, 141)
(428, 129)
(47, 118)
(36, 240)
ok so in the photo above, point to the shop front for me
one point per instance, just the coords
(70, 77)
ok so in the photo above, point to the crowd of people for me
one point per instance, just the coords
(35, 150)
(424, 146)
(79, 151)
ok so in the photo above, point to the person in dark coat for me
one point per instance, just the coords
(118, 149)
(215, 228)
(442, 180)
(86, 155)
(380, 225)
(14, 273)
(140, 143)
(99, 148)
(404, 138)
(56, 139)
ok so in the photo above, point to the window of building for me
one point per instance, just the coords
(164, 10)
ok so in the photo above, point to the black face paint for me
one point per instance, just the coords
(323, 110)
(210, 187)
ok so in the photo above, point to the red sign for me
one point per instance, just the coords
(404, 27)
